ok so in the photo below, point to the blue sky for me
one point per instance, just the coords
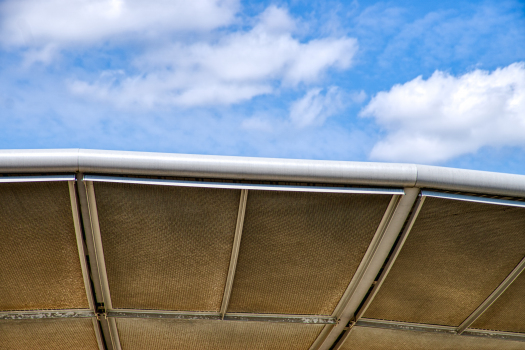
(404, 81)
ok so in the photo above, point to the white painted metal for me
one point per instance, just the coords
(80, 244)
(385, 237)
(235, 252)
(393, 257)
(484, 200)
(164, 164)
(47, 178)
(241, 186)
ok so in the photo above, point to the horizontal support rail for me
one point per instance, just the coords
(242, 186)
(50, 178)
(305, 319)
(406, 326)
(475, 199)
(420, 327)
(35, 315)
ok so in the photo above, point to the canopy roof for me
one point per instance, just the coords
(129, 250)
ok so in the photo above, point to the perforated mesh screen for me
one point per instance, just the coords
(39, 262)
(508, 312)
(456, 254)
(299, 251)
(48, 334)
(386, 339)
(154, 334)
(166, 247)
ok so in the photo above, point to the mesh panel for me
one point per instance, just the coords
(48, 334)
(387, 339)
(166, 247)
(299, 250)
(154, 334)
(39, 262)
(456, 255)
(508, 312)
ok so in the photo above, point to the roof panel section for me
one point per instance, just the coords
(456, 254)
(387, 339)
(166, 248)
(157, 334)
(48, 334)
(299, 251)
(39, 260)
(508, 312)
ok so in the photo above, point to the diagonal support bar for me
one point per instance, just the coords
(235, 253)
(88, 209)
(381, 245)
(393, 257)
(492, 297)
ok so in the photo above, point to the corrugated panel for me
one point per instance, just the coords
(39, 262)
(508, 312)
(387, 339)
(155, 334)
(456, 255)
(166, 247)
(299, 251)
(48, 334)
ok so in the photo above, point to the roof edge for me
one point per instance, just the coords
(265, 169)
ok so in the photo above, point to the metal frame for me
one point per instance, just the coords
(377, 252)
(344, 336)
(46, 178)
(388, 229)
(109, 326)
(235, 253)
(492, 297)
(62, 313)
(260, 169)
(242, 186)
(83, 263)
(80, 244)
(466, 198)
(101, 323)
(393, 257)
(244, 317)
(37, 315)
(419, 327)
(509, 279)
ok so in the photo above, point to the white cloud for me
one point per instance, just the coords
(444, 116)
(314, 107)
(40, 23)
(235, 68)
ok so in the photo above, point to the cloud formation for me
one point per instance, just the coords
(73, 22)
(319, 104)
(443, 117)
(236, 68)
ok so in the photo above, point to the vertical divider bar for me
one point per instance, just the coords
(385, 237)
(345, 336)
(235, 253)
(372, 249)
(101, 264)
(90, 223)
(90, 243)
(393, 257)
(98, 334)
(83, 261)
(97, 239)
(80, 244)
